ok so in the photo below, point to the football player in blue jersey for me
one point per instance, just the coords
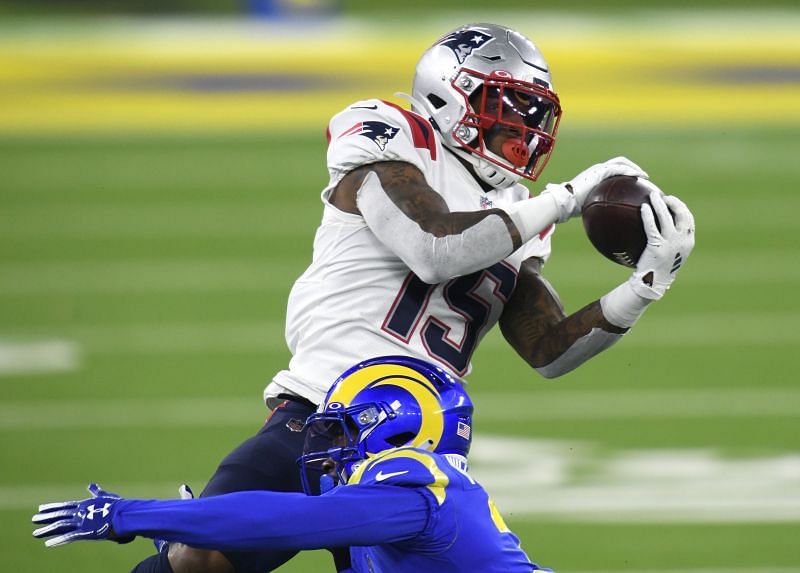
(392, 436)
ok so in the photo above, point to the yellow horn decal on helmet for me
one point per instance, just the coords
(422, 389)
(360, 379)
(426, 395)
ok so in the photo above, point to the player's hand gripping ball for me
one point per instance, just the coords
(612, 218)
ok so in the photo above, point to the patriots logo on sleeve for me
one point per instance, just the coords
(464, 42)
(377, 131)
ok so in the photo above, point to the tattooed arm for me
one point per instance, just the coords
(535, 325)
(406, 187)
(415, 223)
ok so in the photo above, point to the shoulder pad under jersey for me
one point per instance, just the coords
(405, 467)
(375, 130)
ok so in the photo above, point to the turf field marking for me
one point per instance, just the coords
(702, 403)
(38, 357)
(572, 481)
(230, 220)
(179, 338)
(156, 220)
(695, 331)
(241, 274)
(147, 276)
(576, 482)
(703, 570)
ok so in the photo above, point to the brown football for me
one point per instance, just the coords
(613, 220)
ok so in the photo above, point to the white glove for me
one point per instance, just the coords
(570, 196)
(666, 250)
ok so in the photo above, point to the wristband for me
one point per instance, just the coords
(622, 307)
(532, 216)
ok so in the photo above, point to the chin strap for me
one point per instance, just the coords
(489, 172)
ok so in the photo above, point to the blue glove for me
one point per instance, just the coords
(185, 492)
(68, 521)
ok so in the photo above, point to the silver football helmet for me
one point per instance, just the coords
(488, 91)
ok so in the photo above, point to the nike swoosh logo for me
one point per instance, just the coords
(364, 107)
(382, 476)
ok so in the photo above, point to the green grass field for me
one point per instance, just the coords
(144, 274)
(150, 275)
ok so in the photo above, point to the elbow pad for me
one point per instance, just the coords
(582, 350)
(433, 259)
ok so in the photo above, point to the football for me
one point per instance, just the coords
(613, 221)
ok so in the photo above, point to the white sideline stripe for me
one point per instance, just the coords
(705, 570)
(563, 405)
(659, 331)
(564, 481)
(159, 275)
(638, 403)
(93, 221)
(147, 276)
(572, 481)
(703, 330)
(224, 221)
(31, 496)
(170, 338)
(703, 267)
(38, 357)
(133, 413)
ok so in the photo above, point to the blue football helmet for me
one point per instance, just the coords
(381, 404)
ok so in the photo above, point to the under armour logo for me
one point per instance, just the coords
(90, 511)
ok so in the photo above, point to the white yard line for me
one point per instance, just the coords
(575, 482)
(126, 276)
(565, 481)
(738, 403)
(135, 339)
(638, 403)
(700, 570)
(695, 331)
(184, 275)
(38, 357)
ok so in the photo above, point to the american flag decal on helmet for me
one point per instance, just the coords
(377, 131)
(464, 430)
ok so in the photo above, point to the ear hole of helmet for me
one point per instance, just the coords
(401, 439)
(436, 101)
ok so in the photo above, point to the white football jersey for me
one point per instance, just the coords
(358, 299)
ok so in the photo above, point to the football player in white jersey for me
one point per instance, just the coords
(428, 239)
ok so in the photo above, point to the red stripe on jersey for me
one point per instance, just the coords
(549, 229)
(328, 135)
(421, 130)
(355, 129)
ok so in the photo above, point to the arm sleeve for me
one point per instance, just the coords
(348, 515)
(433, 259)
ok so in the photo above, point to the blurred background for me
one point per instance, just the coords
(160, 165)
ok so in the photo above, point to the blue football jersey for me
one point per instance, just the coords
(464, 533)
(404, 511)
